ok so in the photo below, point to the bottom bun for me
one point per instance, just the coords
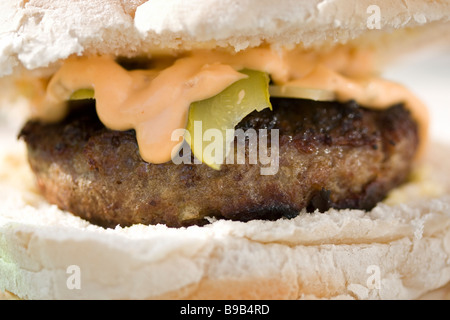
(395, 251)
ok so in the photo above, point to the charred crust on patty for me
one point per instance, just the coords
(332, 155)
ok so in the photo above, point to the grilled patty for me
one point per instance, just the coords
(331, 155)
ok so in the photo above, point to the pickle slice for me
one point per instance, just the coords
(82, 94)
(217, 117)
(301, 93)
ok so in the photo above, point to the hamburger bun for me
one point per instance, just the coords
(38, 35)
(400, 249)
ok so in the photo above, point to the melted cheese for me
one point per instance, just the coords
(155, 102)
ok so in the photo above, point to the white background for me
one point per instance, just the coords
(427, 73)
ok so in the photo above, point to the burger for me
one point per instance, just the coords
(218, 150)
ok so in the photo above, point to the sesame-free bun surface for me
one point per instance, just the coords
(37, 34)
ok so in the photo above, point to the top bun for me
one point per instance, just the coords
(38, 33)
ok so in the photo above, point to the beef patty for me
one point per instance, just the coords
(331, 155)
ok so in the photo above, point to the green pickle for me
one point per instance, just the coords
(82, 94)
(223, 112)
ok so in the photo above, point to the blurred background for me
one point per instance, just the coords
(426, 71)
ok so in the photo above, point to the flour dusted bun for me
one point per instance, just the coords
(39, 33)
(398, 250)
